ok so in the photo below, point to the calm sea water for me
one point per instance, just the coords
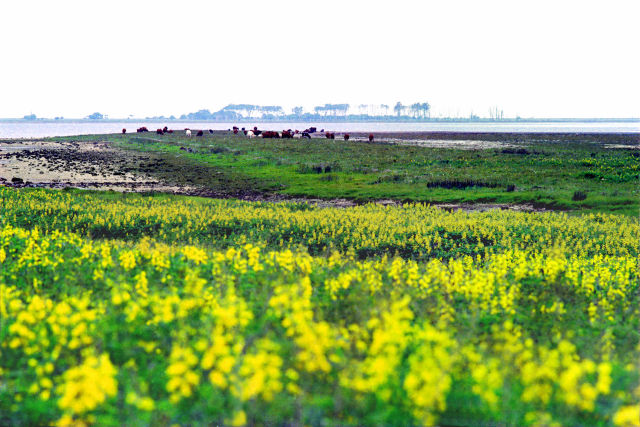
(44, 129)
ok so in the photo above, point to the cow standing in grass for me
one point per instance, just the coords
(270, 134)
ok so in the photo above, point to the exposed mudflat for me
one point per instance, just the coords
(451, 207)
(90, 165)
(416, 141)
(622, 139)
(623, 146)
(491, 140)
(446, 143)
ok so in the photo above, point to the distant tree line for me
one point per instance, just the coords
(32, 116)
(417, 111)
(237, 112)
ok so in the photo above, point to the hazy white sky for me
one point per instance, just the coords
(530, 58)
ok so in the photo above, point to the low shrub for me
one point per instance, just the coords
(579, 195)
(460, 184)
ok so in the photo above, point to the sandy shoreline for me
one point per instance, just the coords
(88, 165)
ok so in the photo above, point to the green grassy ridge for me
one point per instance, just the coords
(548, 175)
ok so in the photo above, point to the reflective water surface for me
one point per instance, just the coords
(20, 129)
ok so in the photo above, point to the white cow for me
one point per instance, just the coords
(250, 134)
(297, 136)
(188, 132)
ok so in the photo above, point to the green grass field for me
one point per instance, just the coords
(552, 174)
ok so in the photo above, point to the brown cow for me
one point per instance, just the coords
(270, 134)
(124, 130)
(370, 137)
(346, 136)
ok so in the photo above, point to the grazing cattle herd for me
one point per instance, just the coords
(256, 133)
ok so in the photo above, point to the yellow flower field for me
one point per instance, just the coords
(183, 311)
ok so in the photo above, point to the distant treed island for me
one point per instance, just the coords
(399, 112)
(239, 112)
(416, 111)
